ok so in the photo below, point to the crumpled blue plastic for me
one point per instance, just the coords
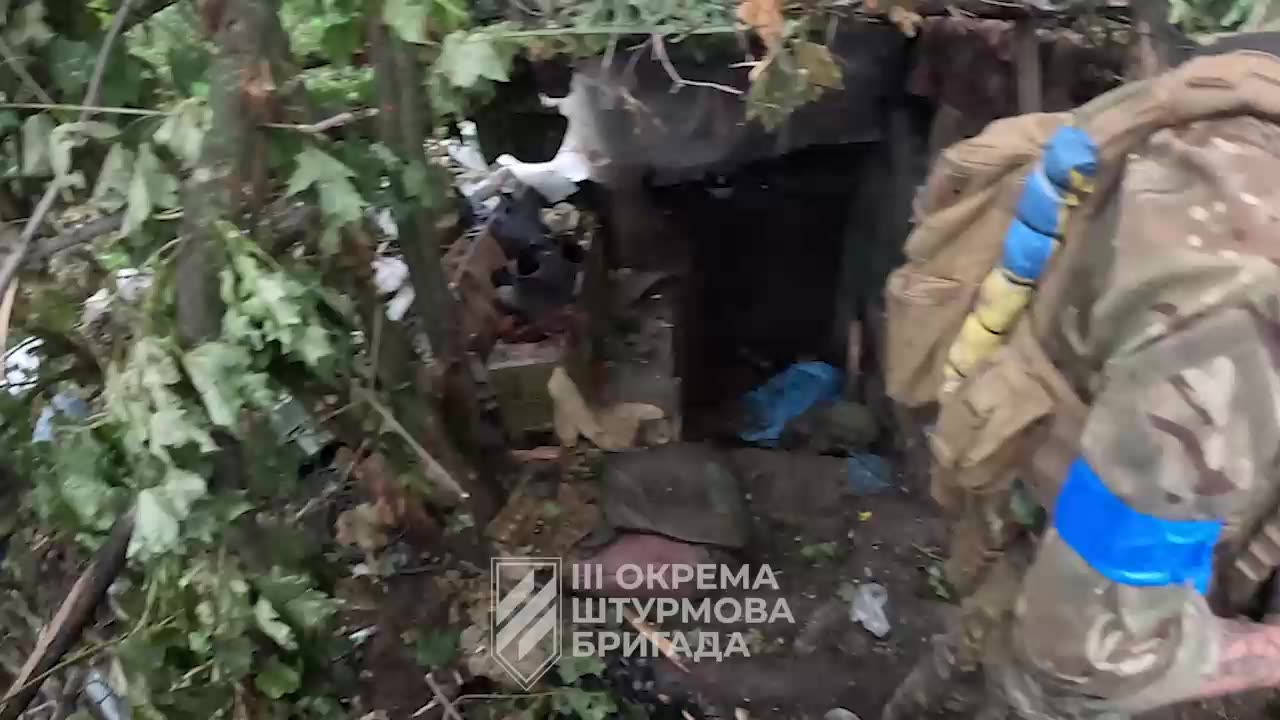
(868, 474)
(1129, 547)
(788, 394)
(62, 404)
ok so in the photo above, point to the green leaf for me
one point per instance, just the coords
(314, 345)
(340, 200)
(139, 203)
(304, 606)
(315, 166)
(817, 64)
(27, 26)
(437, 649)
(150, 187)
(215, 368)
(465, 58)
(172, 427)
(112, 189)
(67, 137)
(123, 80)
(79, 466)
(277, 679)
(183, 131)
(408, 18)
(272, 626)
(311, 610)
(341, 40)
(585, 705)
(155, 529)
(182, 488)
(71, 63)
(35, 144)
(158, 370)
(234, 656)
(572, 668)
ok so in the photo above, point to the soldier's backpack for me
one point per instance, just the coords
(999, 219)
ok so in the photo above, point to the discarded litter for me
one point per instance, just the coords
(839, 714)
(772, 405)
(868, 474)
(867, 607)
(64, 403)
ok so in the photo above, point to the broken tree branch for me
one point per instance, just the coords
(431, 468)
(677, 82)
(73, 615)
(330, 123)
(284, 221)
(450, 710)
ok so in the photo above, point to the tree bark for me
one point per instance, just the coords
(403, 119)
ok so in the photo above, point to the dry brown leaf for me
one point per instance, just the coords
(765, 17)
(361, 527)
(621, 424)
(396, 505)
(571, 416)
(611, 428)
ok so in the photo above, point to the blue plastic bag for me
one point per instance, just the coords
(788, 394)
(868, 474)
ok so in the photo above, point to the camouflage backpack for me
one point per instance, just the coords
(1000, 218)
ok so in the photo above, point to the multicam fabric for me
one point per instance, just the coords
(1177, 305)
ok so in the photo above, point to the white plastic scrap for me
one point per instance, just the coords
(867, 607)
(391, 275)
(557, 178)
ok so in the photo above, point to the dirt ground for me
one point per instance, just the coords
(815, 535)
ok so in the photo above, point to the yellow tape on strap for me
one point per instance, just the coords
(974, 343)
(1001, 301)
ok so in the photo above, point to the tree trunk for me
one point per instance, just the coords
(403, 119)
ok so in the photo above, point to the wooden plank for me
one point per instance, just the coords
(1026, 53)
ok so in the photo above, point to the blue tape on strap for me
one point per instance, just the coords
(1025, 251)
(1129, 547)
(1069, 149)
(1040, 204)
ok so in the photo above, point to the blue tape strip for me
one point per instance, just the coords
(1040, 205)
(1069, 149)
(1025, 251)
(1129, 547)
